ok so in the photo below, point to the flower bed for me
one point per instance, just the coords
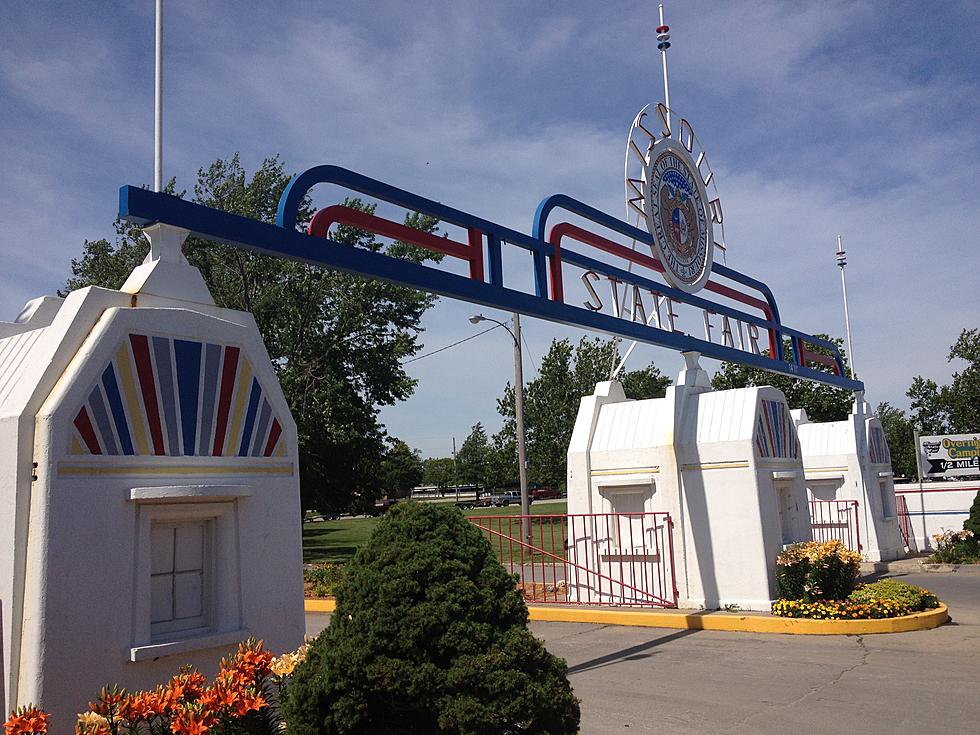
(818, 580)
(840, 609)
(242, 698)
(956, 547)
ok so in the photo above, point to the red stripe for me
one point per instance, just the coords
(274, 433)
(224, 402)
(144, 370)
(84, 426)
(916, 491)
(340, 214)
(566, 229)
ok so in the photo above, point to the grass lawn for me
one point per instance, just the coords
(339, 540)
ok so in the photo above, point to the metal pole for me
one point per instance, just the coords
(922, 499)
(842, 261)
(663, 58)
(158, 104)
(519, 418)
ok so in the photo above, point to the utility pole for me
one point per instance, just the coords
(519, 416)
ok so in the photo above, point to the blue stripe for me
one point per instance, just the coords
(187, 355)
(102, 421)
(116, 406)
(162, 350)
(964, 512)
(253, 404)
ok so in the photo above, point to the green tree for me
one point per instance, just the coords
(472, 458)
(900, 435)
(551, 404)
(401, 469)
(429, 637)
(439, 471)
(337, 341)
(821, 401)
(953, 408)
(928, 410)
(962, 396)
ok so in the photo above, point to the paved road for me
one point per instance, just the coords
(647, 680)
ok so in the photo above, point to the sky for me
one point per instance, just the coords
(858, 118)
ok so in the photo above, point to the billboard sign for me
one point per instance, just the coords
(949, 456)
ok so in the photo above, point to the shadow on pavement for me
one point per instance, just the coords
(628, 654)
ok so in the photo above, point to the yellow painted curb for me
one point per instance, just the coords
(744, 623)
(717, 620)
(325, 605)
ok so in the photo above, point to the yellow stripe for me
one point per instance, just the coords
(238, 412)
(76, 446)
(629, 471)
(280, 448)
(136, 413)
(761, 623)
(716, 466)
(68, 469)
(825, 469)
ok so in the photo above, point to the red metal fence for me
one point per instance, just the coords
(905, 524)
(836, 519)
(619, 559)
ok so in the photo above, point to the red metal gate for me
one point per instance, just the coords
(905, 525)
(836, 519)
(617, 559)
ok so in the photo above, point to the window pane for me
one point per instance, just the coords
(161, 549)
(189, 593)
(189, 547)
(161, 598)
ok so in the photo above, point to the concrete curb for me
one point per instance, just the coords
(697, 620)
(917, 566)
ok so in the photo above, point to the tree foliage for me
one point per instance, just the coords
(439, 471)
(337, 341)
(401, 470)
(821, 401)
(900, 435)
(551, 403)
(472, 459)
(429, 636)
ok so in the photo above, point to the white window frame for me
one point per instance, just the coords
(217, 506)
(182, 627)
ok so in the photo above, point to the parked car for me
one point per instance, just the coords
(509, 497)
(545, 493)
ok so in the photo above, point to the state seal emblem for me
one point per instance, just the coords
(677, 215)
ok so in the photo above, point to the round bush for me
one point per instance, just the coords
(914, 598)
(816, 570)
(429, 636)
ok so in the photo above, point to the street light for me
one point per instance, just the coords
(518, 415)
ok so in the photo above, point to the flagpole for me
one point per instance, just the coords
(841, 262)
(158, 103)
(663, 43)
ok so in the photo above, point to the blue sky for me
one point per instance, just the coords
(859, 118)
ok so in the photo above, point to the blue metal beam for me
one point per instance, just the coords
(142, 206)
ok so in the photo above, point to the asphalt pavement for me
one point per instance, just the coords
(648, 680)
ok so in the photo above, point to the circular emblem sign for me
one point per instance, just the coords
(677, 215)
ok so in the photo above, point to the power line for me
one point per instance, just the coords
(454, 344)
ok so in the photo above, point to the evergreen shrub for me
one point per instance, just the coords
(972, 523)
(429, 636)
(816, 570)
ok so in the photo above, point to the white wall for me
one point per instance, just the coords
(935, 507)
